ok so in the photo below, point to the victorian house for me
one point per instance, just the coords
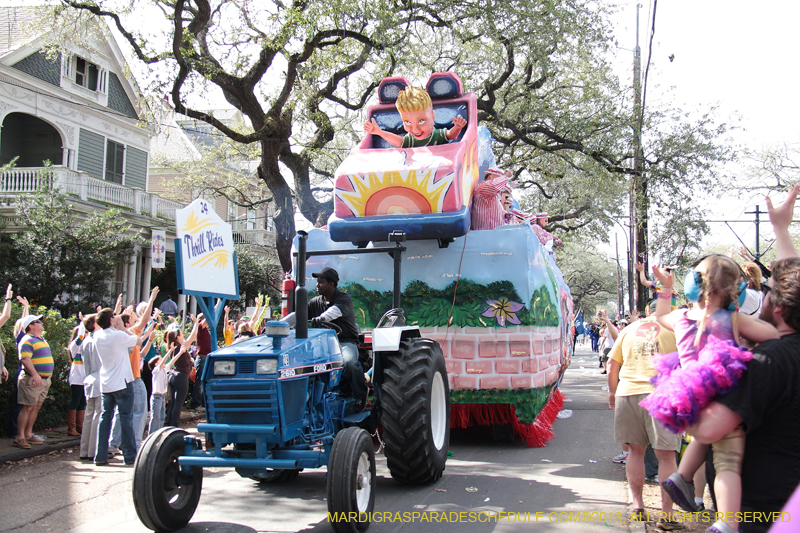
(78, 108)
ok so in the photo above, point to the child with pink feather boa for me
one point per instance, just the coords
(708, 363)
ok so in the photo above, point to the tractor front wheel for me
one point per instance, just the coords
(351, 481)
(165, 498)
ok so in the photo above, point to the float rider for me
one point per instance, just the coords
(336, 307)
(548, 240)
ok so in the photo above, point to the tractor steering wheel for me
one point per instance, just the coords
(327, 325)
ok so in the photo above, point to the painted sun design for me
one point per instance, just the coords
(405, 192)
(195, 224)
(220, 259)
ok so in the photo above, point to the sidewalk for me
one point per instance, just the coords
(586, 441)
(57, 439)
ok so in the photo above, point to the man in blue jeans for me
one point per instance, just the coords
(116, 384)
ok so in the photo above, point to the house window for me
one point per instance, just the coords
(269, 224)
(89, 75)
(231, 212)
(115, 158)
(251, 218)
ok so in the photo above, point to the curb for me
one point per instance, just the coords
(8, 453)
(18, 454)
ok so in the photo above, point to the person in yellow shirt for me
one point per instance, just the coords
(228, 330)
(630, 368)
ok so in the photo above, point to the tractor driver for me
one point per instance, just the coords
(336, 307)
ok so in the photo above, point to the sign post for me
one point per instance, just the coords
(206, 260)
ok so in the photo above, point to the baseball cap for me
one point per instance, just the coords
(327, 273)
(28, 320)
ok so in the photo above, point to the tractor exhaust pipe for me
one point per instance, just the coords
(301, 293)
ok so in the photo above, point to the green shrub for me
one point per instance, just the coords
(57, 332)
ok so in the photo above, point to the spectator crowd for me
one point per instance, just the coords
(130, 373)
(721, 374)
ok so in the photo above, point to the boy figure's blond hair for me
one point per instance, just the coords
(413, 99)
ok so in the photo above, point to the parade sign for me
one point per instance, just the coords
(205, 253)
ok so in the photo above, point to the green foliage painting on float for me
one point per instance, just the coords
(497, 304)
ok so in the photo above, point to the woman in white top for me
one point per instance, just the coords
(754, 296)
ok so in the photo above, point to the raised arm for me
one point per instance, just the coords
(254, 319)
(664, 304)
(26, 306)
(145, 317)
(458, 125)
(372, 128)
(612, 329)
(781, 217)
(171, 362)
(642, 277)
(491, 187)
(7, 306)
(193, 335)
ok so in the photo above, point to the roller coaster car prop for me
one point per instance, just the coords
(424, 192)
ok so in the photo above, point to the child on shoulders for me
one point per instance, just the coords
(708, 363)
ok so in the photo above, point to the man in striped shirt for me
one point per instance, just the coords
(34, 381)
(487, 211)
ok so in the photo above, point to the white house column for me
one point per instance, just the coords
(181, 303)
(193, 306)
(130, 289)
(147, 267)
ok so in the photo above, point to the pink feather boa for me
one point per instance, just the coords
(682, 391)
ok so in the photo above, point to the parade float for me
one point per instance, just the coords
(494, 300)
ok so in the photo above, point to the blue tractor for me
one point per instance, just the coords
(275, 406)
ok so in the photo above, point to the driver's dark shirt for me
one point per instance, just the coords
(347, 322)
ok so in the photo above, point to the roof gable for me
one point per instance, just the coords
(20, 46)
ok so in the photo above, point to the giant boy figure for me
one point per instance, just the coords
(416, 110)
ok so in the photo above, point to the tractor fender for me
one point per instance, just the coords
(388, 339)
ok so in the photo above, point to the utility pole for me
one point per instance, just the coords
(758, 212)
(620, 304)
(639, 201)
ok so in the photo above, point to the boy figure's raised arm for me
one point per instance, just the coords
(372, 128)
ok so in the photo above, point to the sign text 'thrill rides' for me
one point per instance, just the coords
(207, 250)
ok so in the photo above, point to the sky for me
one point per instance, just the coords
(737, 55)
(731, 54)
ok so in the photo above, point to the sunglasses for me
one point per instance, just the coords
(36, 322)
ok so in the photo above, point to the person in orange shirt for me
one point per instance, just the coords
(142, 328)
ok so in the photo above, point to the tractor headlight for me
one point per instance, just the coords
(266, 366)
(224, 368)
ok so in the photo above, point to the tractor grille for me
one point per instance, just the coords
(230, 402)
(247, 366)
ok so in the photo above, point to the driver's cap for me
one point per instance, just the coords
(327, 273)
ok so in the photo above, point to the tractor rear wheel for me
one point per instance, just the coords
(351, 481)
(415, 416)
(164, 497)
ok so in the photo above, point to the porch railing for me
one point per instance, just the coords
(85, 187)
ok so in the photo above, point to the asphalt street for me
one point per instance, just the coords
(570, 485)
